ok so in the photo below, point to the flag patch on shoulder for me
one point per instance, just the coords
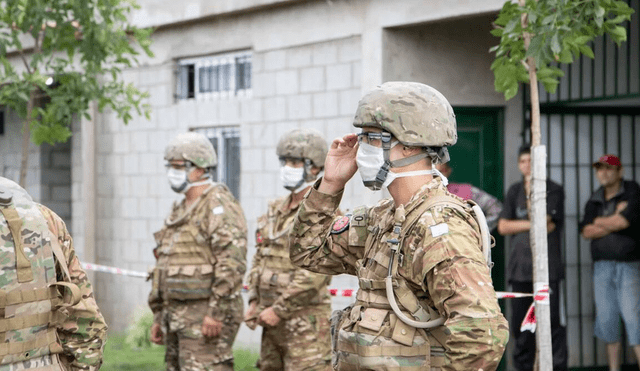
(439, 229)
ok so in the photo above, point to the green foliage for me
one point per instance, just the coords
(138, 334)
(83, 45)
(120, 355)
(560, 30)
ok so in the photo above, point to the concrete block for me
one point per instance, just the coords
(158, 141)
(299, 107)
(122, 186)
(148, 207)
(325, 53)
(257, 62)
(208, 113)
(132, 164)
(339, 127)
(250, 110)
(130, 254)
(275, 60)
(160, 185)
(61, 193)
(350, 50)
(282, 128)
(150, 163)
(312, 79)
(121, 143)
(325, 104)
(140, 231)
(187, 114)
(140, 141)
(264, 84)
(129, 208)
(286, 82)
(229, 112)
(348, 101)
(299, 57)
(254, 159)
(160, 96)
(275, 109)
(105, 143)
(339, 76)
(272, 162)
(167, 117)
(139, 186)
(265, 185)
(356, 74)
(263, 135)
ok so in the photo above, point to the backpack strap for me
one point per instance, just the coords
(23, 265)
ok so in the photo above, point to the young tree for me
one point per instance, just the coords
(536, 36)
(67, 53)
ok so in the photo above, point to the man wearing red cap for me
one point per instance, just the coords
(611, 221)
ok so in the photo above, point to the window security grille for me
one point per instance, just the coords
(213, 77)
(226, 141)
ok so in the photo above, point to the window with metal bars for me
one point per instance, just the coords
(211, 77)
(226, 141)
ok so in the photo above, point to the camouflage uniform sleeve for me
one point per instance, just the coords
(312, 244)
(83, 333)
(458, 280)
(155, 301)
(255, 270)
(228, 231)
(490, 205)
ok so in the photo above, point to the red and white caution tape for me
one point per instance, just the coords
(113, 270)
(332, 290)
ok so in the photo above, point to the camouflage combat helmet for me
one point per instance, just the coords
(193, 147)
(416, 114)
(305, 144)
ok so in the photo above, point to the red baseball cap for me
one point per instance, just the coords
(611, 160)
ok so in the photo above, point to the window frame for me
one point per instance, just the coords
(221, 170)
(214, 62)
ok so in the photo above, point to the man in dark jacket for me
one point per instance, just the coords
(612, 223)
(514, 222)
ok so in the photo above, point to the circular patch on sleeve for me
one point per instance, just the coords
(340, 225)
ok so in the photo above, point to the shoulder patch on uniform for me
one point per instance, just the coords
(217, 210)
(259, 238)
(340, 225)
(439, 229)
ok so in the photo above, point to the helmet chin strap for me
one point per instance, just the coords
(382, 175)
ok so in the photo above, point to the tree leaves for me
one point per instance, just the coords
(83, 45)
(561, 31)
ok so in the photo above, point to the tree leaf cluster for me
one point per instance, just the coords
(84, 45)
(560, 31)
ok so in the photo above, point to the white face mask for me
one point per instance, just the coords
(293, 178)
(178, 180)
(370, 160)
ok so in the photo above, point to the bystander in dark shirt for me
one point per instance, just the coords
(520, 267)
(623, 245)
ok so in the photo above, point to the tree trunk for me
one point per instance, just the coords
(537, 198)
(26, 135)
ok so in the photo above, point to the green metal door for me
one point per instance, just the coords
(477, 159)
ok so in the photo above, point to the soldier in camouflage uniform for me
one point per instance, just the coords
(49, 318)
(489, 204)
(201, 259)
(426, 299)
(292, 304)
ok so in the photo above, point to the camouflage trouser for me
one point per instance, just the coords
(44, 363)
(299, 343)
(188, 349)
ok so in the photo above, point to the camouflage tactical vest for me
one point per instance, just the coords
(28, 296)
(184, 268)
(276, 270)
(371, 334)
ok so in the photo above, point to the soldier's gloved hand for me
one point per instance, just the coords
(268, 317)
(211, 327)
(340, 165)
(156, 334)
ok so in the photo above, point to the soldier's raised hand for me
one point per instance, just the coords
(340, 165)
